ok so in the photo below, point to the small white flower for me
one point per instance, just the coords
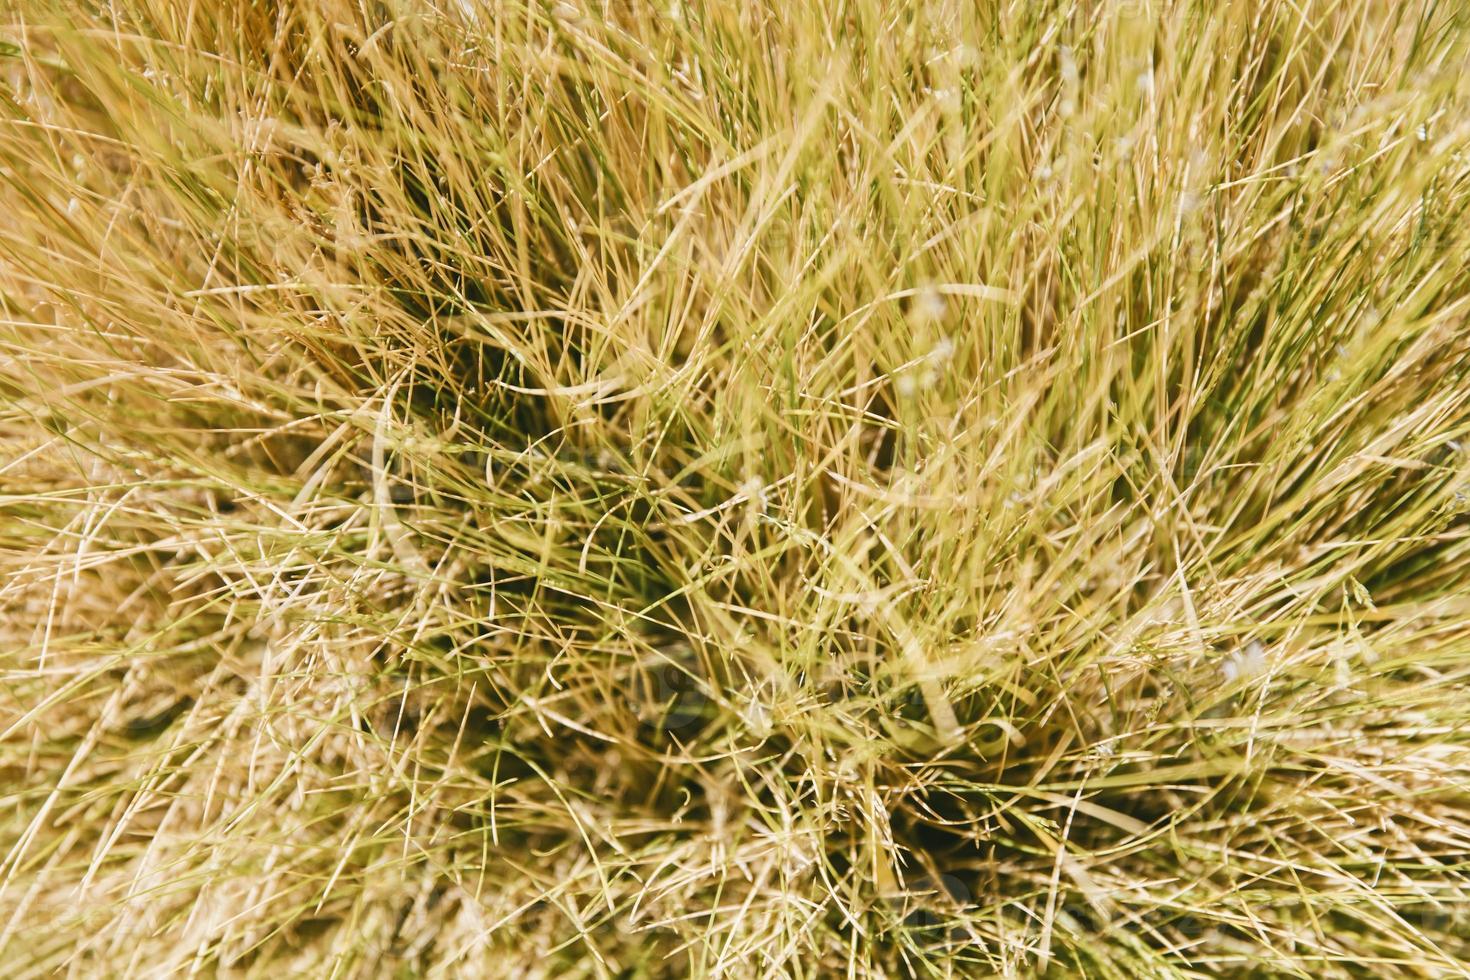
(1422, 133)
(73, 206)
(948, 99)
(754, 490)
(1043, 173)
(928, 306)
(907, 386)
(757, 717)
(1244, 664)
(1067, 65)
(1145, 82)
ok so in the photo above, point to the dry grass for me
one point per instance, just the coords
(746, 488)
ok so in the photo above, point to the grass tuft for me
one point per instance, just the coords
(734, 489)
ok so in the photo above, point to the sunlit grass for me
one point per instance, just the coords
(734, 489)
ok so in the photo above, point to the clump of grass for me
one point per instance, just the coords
(734, 489)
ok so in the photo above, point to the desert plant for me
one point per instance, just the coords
(751, 488)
